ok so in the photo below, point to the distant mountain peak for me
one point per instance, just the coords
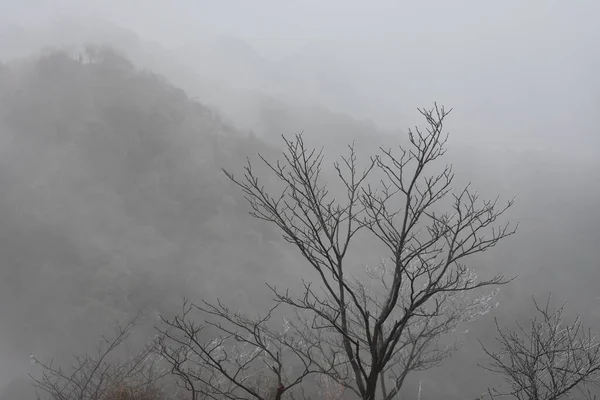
(235, 44)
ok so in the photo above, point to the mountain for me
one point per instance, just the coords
(225, 72)
(113, 199)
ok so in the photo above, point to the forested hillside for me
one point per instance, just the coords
(112, 199)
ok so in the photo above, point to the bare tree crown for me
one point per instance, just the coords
(547, 360)
(364, 334)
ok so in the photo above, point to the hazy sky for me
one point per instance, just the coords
(265, 22)
(524, 70)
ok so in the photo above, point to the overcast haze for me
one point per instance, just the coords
(517, 71)
(112, 196)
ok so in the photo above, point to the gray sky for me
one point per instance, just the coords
(273, 21)
(518, 70)
(265, 22)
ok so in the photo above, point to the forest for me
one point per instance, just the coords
(153, 248)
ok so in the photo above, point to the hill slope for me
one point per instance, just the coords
(112, 197)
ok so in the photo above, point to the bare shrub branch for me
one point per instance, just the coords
(547, 360)
(104, 374)
(246, 359)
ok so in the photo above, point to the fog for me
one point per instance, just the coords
(516, 72)
(112, 193)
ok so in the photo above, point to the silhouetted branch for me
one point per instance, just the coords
(247, 358)
(547, 360)
(94, 377)
(379, 329)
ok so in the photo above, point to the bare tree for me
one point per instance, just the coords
(246, 359)
(105, 375)
(365, 332)
(548, 360)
